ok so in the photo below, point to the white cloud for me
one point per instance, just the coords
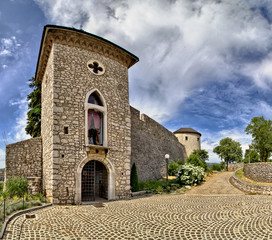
(18, 132)
(212, 140)
(5, 52)
(181, 44)
(2, 158)
(4, 66)
(17, 102)
(8, 46)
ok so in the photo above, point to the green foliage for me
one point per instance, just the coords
(151, 185)
(251, 156)
(134, 179)
(26, 197)
(189, 174)
(154, 185)
(39, 197)
(173, 168)
(218, 167)
(194, 160)
(202, 154)
(33, 126)
(4, 194)
(180, 161)
(159, 190)
(12, 206)
(229, 151)
(168, 189)
(16, 186)
(261, 131)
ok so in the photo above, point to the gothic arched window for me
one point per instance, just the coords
(96, 115)
(94, 99)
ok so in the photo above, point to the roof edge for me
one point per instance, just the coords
(187, 130)
(50, 26)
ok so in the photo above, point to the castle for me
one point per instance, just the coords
(90, 135)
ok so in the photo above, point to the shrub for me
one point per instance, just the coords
(180, 161)
(222, 165)
(189, 174)
(134, 179)
(16, 186)
(159, 190)
(195, 160)
(168, 189)
(218, 167)
(151, 185)
(173, 168)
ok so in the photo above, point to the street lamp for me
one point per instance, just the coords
(167, 161)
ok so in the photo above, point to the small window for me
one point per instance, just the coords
(95, 67)
(186, 138)
(65, 130)
(197, 139)
(94, 99)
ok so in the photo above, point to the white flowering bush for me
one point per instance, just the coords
(189, 174)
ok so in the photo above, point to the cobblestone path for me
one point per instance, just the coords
(217, 185)
(158, 217)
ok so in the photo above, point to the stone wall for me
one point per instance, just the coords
(235, 166)
(150, 141)
(24, 159)
(47, 126)
(259, 172)
(249, 187)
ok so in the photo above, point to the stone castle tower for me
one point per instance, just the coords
(189, 138)
(90, 135)
(84, 87)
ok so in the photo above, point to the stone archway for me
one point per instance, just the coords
(101, 165)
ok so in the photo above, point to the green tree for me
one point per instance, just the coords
(229, 151)
(261, 131)
(134, 179)
(251, 156)
(203, 156)
(173, 168)
(195, 160)
(33, 127)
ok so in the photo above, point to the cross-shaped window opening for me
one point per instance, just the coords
(95, 67)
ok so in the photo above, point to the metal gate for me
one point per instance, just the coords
(94, 183)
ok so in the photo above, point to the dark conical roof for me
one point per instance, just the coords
(187, 130)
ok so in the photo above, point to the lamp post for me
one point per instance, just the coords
(167, 161)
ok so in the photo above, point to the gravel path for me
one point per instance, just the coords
(216, 185)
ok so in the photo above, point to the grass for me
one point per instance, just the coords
(13, 206)
(155, 184)
(240, 174)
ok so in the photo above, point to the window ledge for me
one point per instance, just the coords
(90, 146)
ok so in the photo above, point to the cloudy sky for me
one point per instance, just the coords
(205, 64)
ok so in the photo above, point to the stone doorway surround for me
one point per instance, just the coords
(111, 176)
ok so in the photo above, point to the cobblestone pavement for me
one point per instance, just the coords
(158, 217)
(217, 185)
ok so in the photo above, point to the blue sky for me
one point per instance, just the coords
(205, 64)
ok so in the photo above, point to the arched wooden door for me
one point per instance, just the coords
(94, 183)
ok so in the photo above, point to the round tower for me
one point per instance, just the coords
(190, 138)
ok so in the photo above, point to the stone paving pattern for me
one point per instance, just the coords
(183, 216)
